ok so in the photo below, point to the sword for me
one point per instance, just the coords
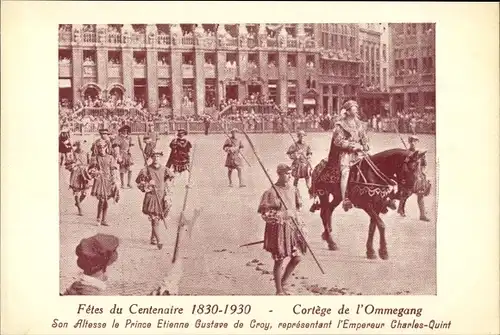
(283, 202)
(252, 243)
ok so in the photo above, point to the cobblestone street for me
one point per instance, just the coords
(213, 262)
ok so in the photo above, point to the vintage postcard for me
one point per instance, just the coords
(307, 173)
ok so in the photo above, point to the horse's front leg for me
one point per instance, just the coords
(382, 251)
(370, 252)
(326, 216)
(402, 204)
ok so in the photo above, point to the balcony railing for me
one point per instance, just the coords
(188, 40)
(232, 41)
(164, 40)
(209, 70)
(139, 71)
(252, 43)
(90, 71)
(89, 37)
(114, 38)
(428, 77)
(272, 43)
(292, 42)
(65, 36)
(187, 71)
(230, 72)
(138, 38)
(65, 70)
(272, 72)
(163, 71)
(310, 44)
(114, 71)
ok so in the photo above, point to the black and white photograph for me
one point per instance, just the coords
(247, 159)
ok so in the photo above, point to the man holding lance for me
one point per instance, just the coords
(281, 237)
(348, 140)
(233, 148)
(124, 141)
(421, 188)
(154, 181)
(79, 179)
(180, 148)
(300, 153)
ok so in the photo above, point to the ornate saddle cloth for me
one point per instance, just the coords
(325, 176)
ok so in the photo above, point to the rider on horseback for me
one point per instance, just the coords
(348, 140)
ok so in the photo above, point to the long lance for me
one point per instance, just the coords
(182, 220)
(225, 133)
(282, 201)
(400, 137)
(149, 175)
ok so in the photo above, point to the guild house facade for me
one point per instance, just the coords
(412, 67)
(188, 69)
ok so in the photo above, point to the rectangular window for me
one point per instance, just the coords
(384, 53)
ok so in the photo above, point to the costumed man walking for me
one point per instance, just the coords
(79, 179)
(233, 147)
(104, 136)
(300, 153)
(281, 237)
(206, 123)
(180, 148)
(154, 180)
(422, 186)
(348, 140)
(149, 147)
(64, 145)
(125, 163)
(95, 255)
(103, 167)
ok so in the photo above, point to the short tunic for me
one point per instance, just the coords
(281, 238)
(233, 146)
(300, 153)
(179, 155)
(161, 177)
(344, 135)
(104, 186)
(125, 156)
(79, 180)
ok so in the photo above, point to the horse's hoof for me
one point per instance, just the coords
(370, 254)
(333, 246)
(383, 254)
(324, 236)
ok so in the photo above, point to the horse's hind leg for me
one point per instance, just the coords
(326, 216)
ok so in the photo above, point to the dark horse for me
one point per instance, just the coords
(373, 187)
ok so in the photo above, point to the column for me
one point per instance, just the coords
(421, 101)
(102, 67)
(102, 58)
(152, 78)
(77, 63)
(199, 78)
(263, 72)
(243, 73)
(283, 81)
(329, 104)
(392, 107)
(340, 99)
(301, 81)
(221, 75)
(176, 81)
(128, 71)
(406, 101)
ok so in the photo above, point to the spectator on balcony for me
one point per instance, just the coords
(88, 61)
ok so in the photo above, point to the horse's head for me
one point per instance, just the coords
(411, 169)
